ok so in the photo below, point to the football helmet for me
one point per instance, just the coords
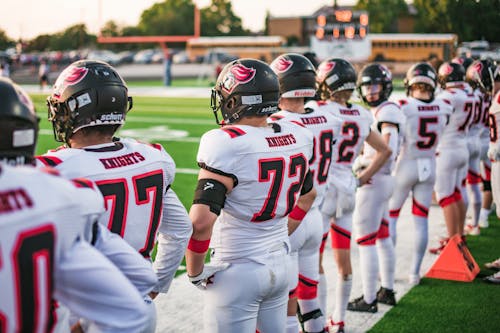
(481, 74)
(463, 60)
(245, 87)
(334, 75)
(18, 124)
(373, 74)
(296, 75)
(450, 72)
(421, 72)
(87, 93)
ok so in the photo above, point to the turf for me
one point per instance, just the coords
(448, 306)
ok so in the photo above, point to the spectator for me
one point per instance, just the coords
(43, 74)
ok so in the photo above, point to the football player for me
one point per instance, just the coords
(425, 120)
(297, 78)
(452, 151)
(371, 215)
(43, 221)
(336, 79)
(251, 175)
(86, 108)
(480, 77)
(494, 149)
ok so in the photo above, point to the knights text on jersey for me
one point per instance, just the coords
(326, 129)
(268, 165)
(355, 129)
(133, 178)
(424, 124)
(38, 224)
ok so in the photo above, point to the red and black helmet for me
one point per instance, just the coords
(296, 75)
(87, 93)
(421, 72)
(375, 74)
(450, 72)
(481, 74)
(335, 75)
(245, 87)
(18, 124)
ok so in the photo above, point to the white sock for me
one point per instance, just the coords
(342, 294)
(322, 293)
(315, 324)
(392, 229)
(292, 324)
(484, 213)
(369, 271)
(387, 262)
(420, 243)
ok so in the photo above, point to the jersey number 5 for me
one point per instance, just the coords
(423, 131)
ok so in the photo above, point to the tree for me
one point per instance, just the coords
(110, 29)
(5, 41)
(218, 19)
(470, 20)
(170, 17)
(72, 38)
(383, 13)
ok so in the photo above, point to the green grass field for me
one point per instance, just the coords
(433, 306)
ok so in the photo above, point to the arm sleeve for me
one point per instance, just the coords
(174, 232)
(94, 289)
(137, 269)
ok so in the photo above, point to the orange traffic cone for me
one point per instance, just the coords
(454, 263)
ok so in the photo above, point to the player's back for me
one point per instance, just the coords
(37, 226)
(494, 120)
(132, 177)
(464, 103)
(424, 124)
(268, 165)
(326, 129)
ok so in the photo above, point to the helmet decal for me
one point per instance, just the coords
(236, 75)
(283, 64)
(325, 68)
(70, 76)
(386, 72)
(446, 69)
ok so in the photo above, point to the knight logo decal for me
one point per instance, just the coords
(70, 76)
(445, 70)
(283, 64)
(236, 75)
(325, 68)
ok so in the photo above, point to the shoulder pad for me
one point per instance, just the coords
(275, 117)
(82, 182)
(447, 101)
(50, 171)
(233, 131)
(50, 161)
(402, 102)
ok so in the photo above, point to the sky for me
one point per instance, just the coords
(30, 18)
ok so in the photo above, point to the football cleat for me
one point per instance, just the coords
(360, 305)
(471, 230)
(495, 278)
(334, 327)
(414, 279)
(386, 296)
(493, 265)
(440, 248)
(483, 223)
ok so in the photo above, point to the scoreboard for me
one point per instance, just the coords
(342, 24)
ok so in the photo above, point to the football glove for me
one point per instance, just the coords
(205, 277)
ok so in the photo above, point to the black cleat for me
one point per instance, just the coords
(386, 296)
(360, 305)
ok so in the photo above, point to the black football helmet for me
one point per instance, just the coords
(421, 72)
(296, 75)
(334, 75)
(375, 74)
(450, 72)
(463, 60)
(245, 87)
(87, 93)
(18, 124)
(481, 74)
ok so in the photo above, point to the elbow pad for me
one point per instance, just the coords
(307, 185)
(212, 193)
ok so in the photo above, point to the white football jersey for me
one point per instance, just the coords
(424, 124)
(477, 122)
(268, 165)
(133, 178)
(464, 103)
(387, 112)
(494, 116)
(356, 127)
(326, 130)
